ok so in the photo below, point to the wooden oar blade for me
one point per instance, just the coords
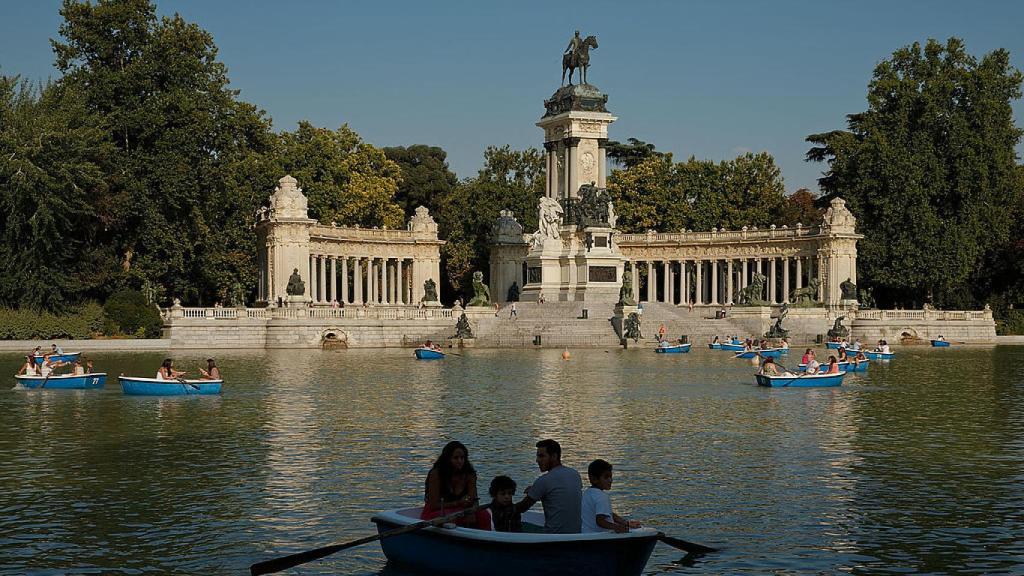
(684, 545)
(293, 560)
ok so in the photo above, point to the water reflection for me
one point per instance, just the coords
(904, 468)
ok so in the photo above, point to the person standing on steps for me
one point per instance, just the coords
(512, 312)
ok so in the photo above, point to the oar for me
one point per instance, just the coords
(683, 545)
(292, 560)
(187, 383)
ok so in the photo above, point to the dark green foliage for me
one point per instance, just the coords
(510, 180)
(800, 208)
(426, 179)
(630, 154)
(25, 324)
(128, 312)
(660, 194)
(929, 171)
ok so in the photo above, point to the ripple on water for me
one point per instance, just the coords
(903, 469)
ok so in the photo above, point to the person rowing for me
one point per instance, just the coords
(770, 368)
(167, 371)
(429, 345)
(451, 486)
(211, 372)
(558, 490)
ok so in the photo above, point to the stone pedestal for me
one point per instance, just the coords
(478, 312)
(619, 319)
(580, 266)
(296, 301)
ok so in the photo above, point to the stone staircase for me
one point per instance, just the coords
(557, 323)
(700, 324)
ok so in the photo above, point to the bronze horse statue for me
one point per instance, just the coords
(579, 60)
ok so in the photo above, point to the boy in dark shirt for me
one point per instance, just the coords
(503, 511)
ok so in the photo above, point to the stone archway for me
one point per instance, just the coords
(908, 334)
(333, 339)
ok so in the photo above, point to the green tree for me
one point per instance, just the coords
(181, 176)
(53, 158)
(346, 180)
(509, 180)
(660, 194)
(801, 207)
(929, 170)
(426, 179)
(631, 153)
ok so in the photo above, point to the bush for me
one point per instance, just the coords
(80, 324)
(128, 312)
(1011, 323)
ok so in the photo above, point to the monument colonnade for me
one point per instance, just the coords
(341, 264)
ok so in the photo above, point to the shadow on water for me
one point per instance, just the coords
(913, 466)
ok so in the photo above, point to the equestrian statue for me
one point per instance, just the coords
(577, 56)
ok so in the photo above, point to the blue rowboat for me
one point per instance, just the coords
(770, 353)
(132, 386)
(469, 552)
(803, 381)
(879, 355)
(715, 346)
(834, 345)
(64, 382)
(732, 346)
(428, 354)
(66, 357)
(940, 344)
(677, 349)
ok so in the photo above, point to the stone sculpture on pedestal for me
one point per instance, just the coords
(626, 292)
(752, 294)
(430, 293)
(481, 293)
(777, 331)
(462, 328)
(838, 330)
(513, 292)
(296, 287)
(806, 296)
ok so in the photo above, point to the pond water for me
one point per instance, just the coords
(916, 466)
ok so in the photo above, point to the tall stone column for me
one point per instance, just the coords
(333, 284)
(384, 273)
(344, 279)
(311, 284)
(357, 281)
(651, 291)
(714, 281)
(771, 281)
(602, 163)
(785, 279)
(799, 272)
(551, 183)
(666, 288)
(565, 170)
(416, 283)
(684, 284)
(728, 282)
(821, 278)
(744, 273)
(371, 280)
(699, 264)
(574, 171)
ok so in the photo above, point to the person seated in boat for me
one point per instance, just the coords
(941, 338)
(167, 371)
(77, 369)
(883, 347)
(661, 332)
(504, 517)
(716, 341)
(843, 357)
(451, 486)
(812, 364)
(49, 365)
(808, 354)
(833, 365)
(56, 350)
(596, 506)
(30, 367)
(770, 368)
(785, 344)
(860, 357)
(211, 372)
(88, 366)
(558, 490)
(429, 345)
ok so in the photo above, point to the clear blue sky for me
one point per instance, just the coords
(708, 79)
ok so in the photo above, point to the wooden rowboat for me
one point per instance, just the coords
(64, 382)
(940, 343)
(802, 381)
(676, 349)
(468, 552)
(732, 346)
(879, 355)
(132, 386)
(428, 354)
(715, 345)
(65, 357)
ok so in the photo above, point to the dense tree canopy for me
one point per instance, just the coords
(510, 180)
(929, 170)
(426, 179)
(661, 194)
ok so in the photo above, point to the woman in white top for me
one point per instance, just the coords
(29, 368)
(167, 371)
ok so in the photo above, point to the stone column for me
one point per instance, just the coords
(310, 286)
(728, 282)
(602, 169)
(417, 284)
(666, 288)
(549, 156)
(714, 281)
(651, 292)
(744, 273)
(384, 272)
(821, 278)
(565, 169)
(785, 279)
(771, 281)
(344, 280)
(333, 284)
(357, 281)
(574, 177)
(799, 272)
(371, 281)
(684, 268)
(699, 264)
